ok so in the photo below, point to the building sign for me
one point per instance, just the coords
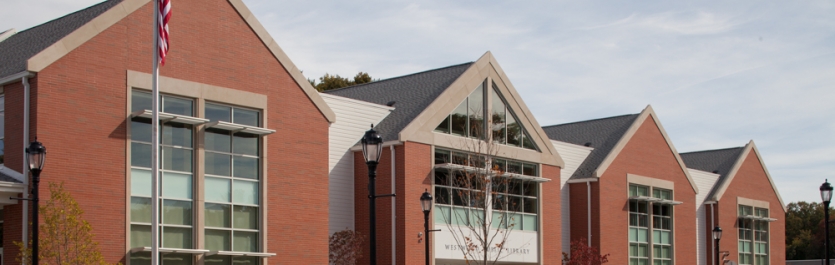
(521, 246)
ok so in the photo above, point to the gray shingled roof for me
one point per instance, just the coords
(412, 94)
(7, 178)
(718, 161)
(17, 49)
(600, 134)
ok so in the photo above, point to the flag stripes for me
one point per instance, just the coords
(163, 16)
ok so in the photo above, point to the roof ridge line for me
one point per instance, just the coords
(598, 119)
(712, 150)
(397, 77)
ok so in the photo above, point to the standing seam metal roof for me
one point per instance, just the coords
(412, 94)
(20, 47)
(601, 134)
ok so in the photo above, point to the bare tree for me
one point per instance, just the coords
(345, 247)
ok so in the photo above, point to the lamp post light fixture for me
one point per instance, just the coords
(36, 154)
(826, 196)
(426, 204)
(717, 234)
(372, 147)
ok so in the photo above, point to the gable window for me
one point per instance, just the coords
(650, 233)
(753, 235)
(468, 119)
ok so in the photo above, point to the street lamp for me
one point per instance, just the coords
(36, 155)
(426, 204)
(372, 147)
(826, 195)
(717, 234)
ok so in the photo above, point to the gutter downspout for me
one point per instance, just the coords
(712, 241)
(25, 171)
(393, 209)
(588, 212)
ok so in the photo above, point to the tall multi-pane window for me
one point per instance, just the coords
(761, 237)
(745, 235)
(662, 223)
(753, 235)
(460, 197)
(638, 226)
(176, 178)
(232, 181)
(650, 233)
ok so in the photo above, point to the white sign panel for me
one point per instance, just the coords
(521, 246)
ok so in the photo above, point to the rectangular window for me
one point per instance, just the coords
(232, 184)
(650, 233)
(175, 180)
(745, 235)
(460, 197)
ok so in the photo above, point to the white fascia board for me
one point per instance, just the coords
(583, 180)
(12, 173)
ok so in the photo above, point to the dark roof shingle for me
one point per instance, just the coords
(19, 48)
(412, 94)
(719, 161)
(600, 134)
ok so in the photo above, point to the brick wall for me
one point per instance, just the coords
(13, 159)
(751, 182)
(81, 99)
(646, 154)
(550, 229)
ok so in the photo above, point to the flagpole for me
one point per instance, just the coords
(155, 143)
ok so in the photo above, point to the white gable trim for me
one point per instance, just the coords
(737, 165)
(422, 128)
(115, 14)
(645, 114)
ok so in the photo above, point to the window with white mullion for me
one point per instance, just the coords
(176, 153)
(232, 184)
(761, 237)
(638, 233)
(745, 235)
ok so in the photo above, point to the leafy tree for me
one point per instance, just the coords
(329, 82)
(805, 231)
(65, 238)
(582, 254)
(345, 247)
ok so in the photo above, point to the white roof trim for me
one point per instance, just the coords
(6, 34)
(720, 190)
(168, 117)
(170, 250)
(234, 127)
(648, 112)
(15, 77)
(655, 200)
(240, 253)
(492, 173)
(12, 173)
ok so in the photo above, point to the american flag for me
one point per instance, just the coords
(163, 16)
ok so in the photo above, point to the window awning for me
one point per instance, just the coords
(168, 117)
(170, 250)
(757, 218)
(654, 200)
(239, 253)
(477, 170)
(234, 127)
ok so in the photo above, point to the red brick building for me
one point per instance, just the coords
(446, 121)
(236, 175)
(745, 203)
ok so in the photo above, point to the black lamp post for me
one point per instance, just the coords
(426, 204)
(717, 234)
(36, 154)
(826, 195)
(372, 147)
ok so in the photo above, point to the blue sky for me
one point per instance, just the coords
(718, 73)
